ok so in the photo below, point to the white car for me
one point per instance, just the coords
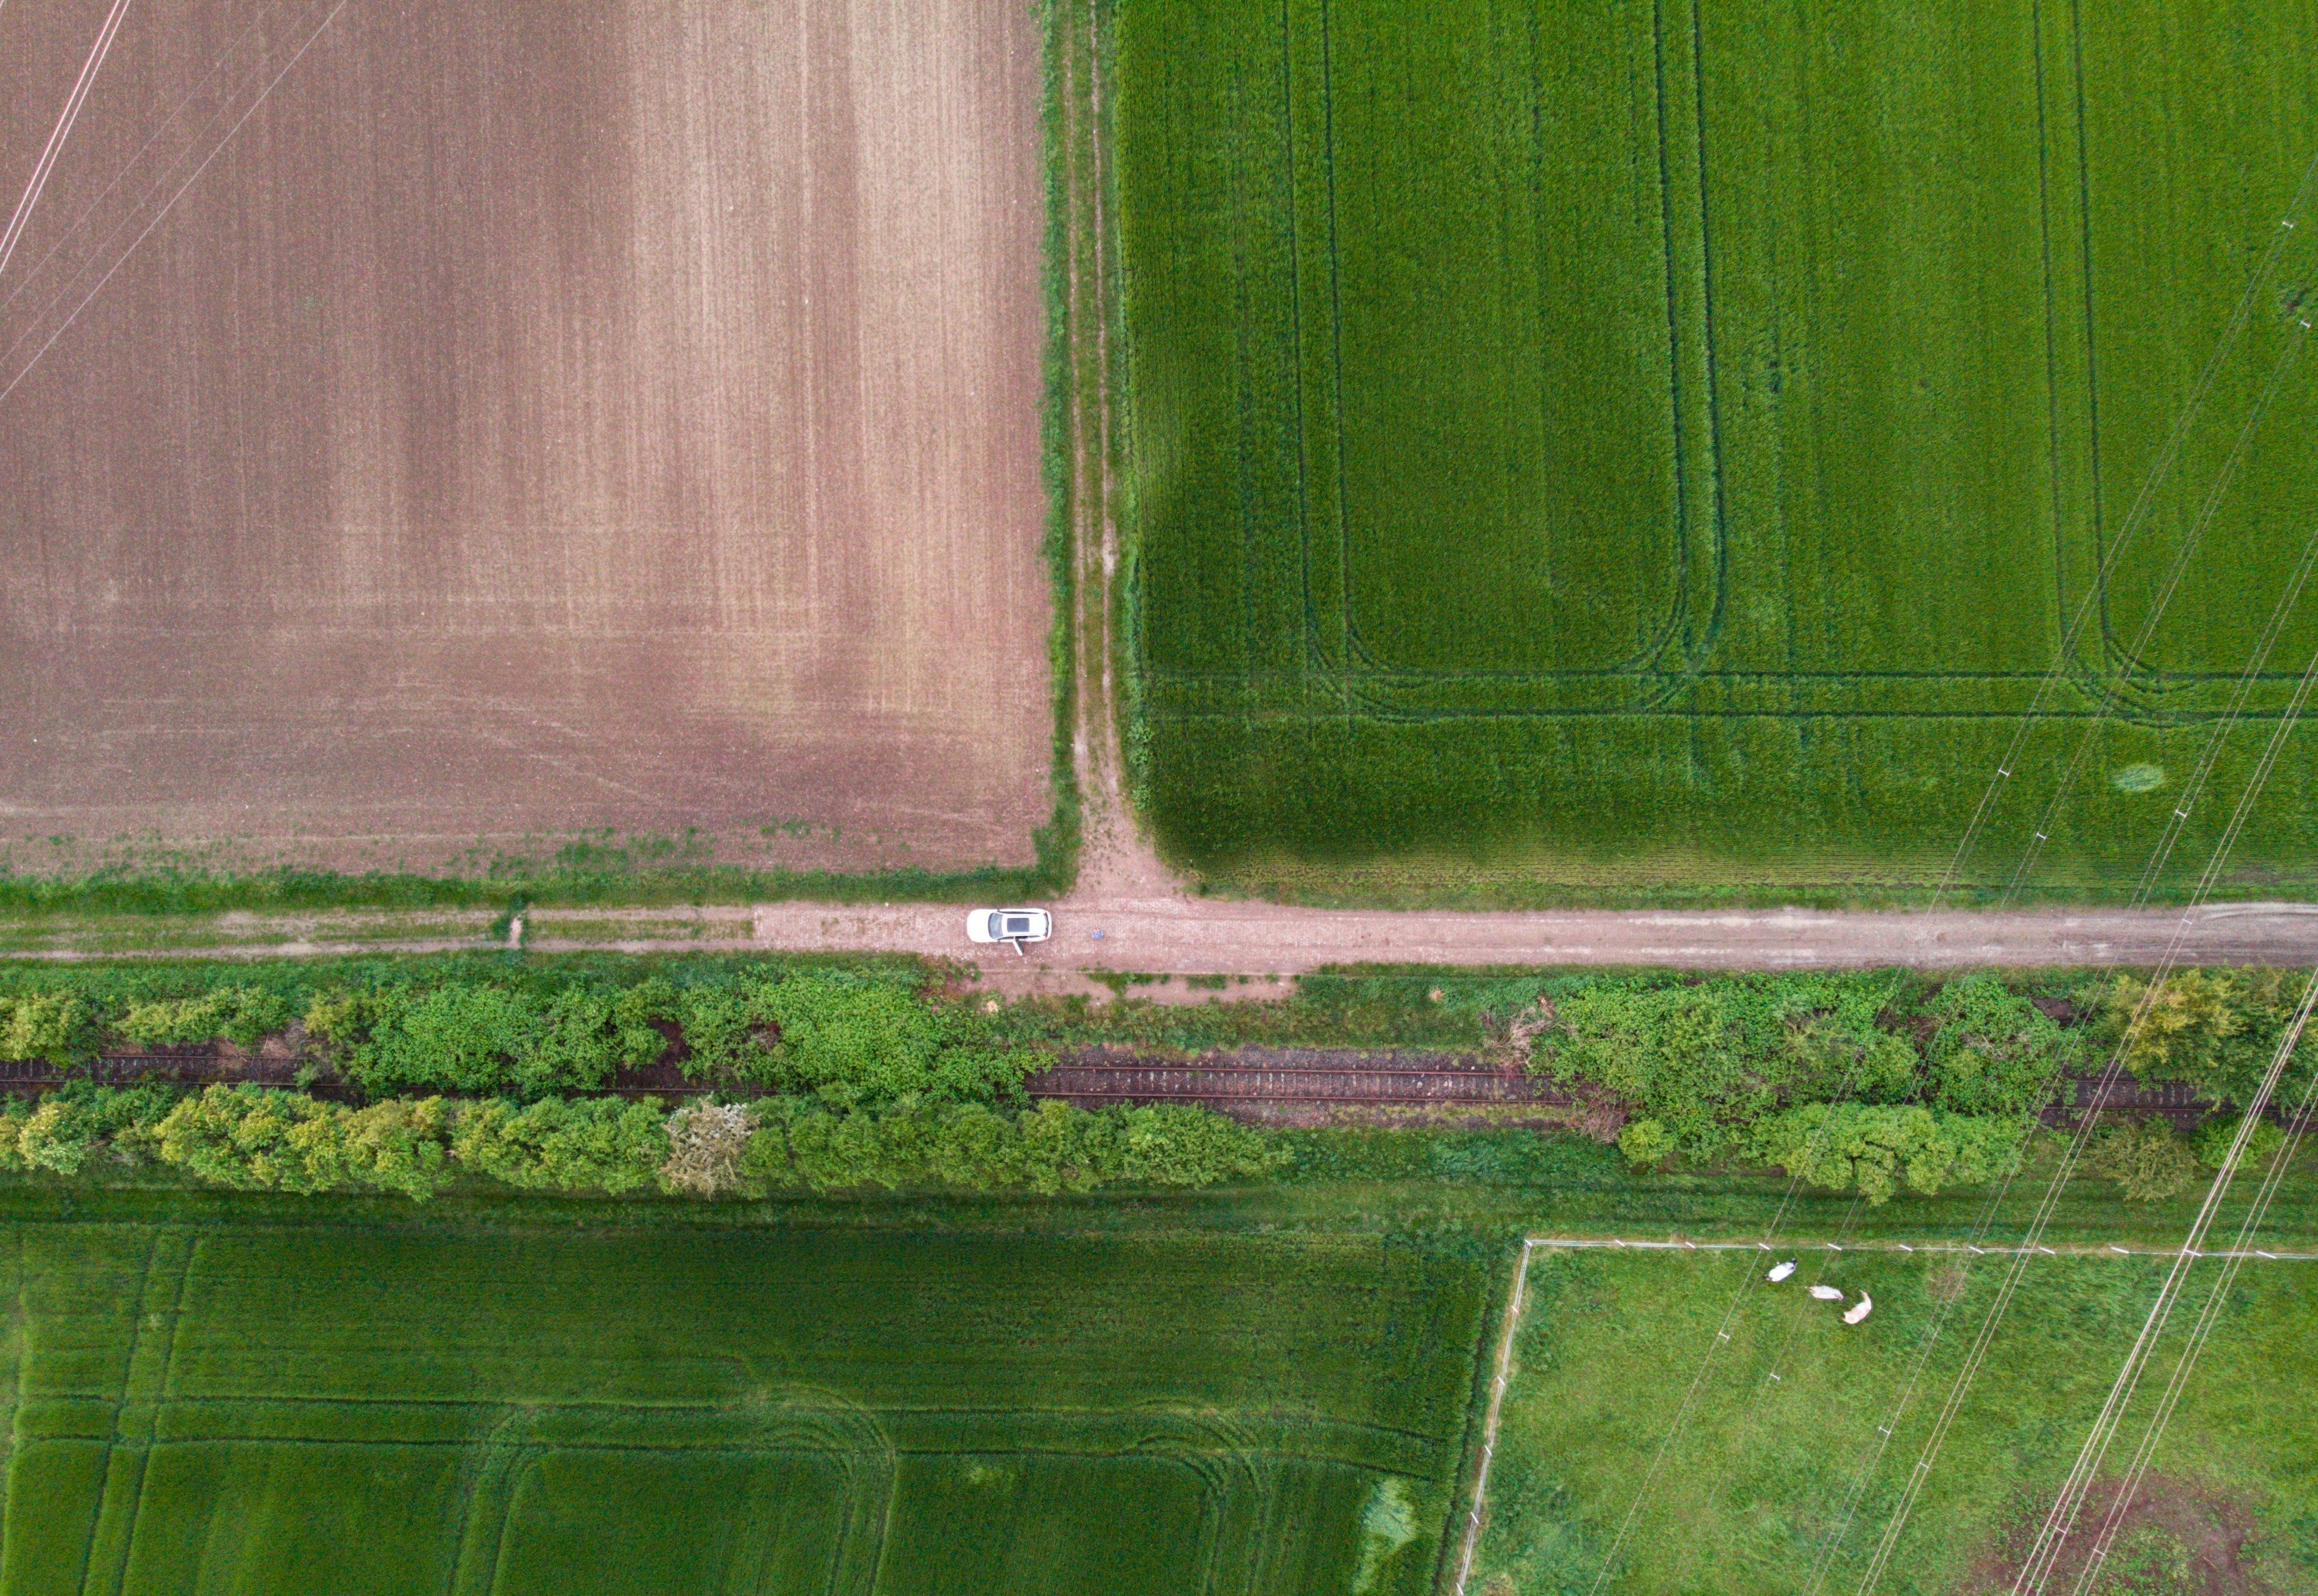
(1014, 925)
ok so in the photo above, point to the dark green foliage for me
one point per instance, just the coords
(1048, 1149)
(867, 1031)
(1995, 1052)
(1876, 1149)
(856, 1041)
(1674, 1053)
(2215, 1137)
(1708, 1059)
(251, 1138)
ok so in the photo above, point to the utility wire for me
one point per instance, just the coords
(2086, 608)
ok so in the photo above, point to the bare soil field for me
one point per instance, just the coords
(428, 433)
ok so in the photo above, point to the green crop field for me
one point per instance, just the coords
(1589, 448)
(1778, 1485)
(296, 1406)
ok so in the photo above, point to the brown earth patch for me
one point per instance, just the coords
(551, 421)
(2176, 1539)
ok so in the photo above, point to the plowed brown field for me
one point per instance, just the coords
(432, 430)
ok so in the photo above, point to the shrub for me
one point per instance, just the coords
(2216, 1029)
(1645, 1143)
(877, 1042)
(720, 1026)
(1876, 1148)
(245, 1015)
(1182, 1144)
(402, 1144)
(597, 1144)
(54, 1026)
(58, 1136)
(460, 1037)
(1994, 1051)
(1673, 1052)
(1838, 1057)
(2149, 1160)
(252, 1139)
(2214, 1138)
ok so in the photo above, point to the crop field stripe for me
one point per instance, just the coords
(63, 130)
(162, 214)
(1504, 1374)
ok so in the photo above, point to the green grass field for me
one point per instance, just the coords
(287, 1404)
(1777, 1483)
(1589, 450)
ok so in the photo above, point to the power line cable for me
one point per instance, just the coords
(1984, 1221)
(2073, 1154)
(2086, 608)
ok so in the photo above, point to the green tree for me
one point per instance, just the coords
(555, 1144)
(54, 1027)
(1995, 1052)
(1876, 1148)
(1678, 1053)
(245, 1015)
(1182, 1144)
(2214, 1138)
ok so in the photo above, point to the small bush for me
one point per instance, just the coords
(2214, 1138)
(245, 1015)
(2150, 1160)
(54, 1027)
(1875, 1149)
(1646, 1143)
(597, 1144)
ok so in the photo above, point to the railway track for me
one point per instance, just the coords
(1320, 1077)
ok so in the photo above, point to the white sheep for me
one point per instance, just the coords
(1865, 1306)
(1827, 1294)
(1780, 1271)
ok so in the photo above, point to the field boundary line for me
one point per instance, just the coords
(2065, 1250)
(1506, 1334)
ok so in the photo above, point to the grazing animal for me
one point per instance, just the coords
(1780, 1271)
(1866, 1305)
(1827, 1294)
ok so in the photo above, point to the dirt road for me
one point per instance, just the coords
(1190, 935)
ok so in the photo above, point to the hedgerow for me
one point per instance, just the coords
(866, 1033)
(251, 1138)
